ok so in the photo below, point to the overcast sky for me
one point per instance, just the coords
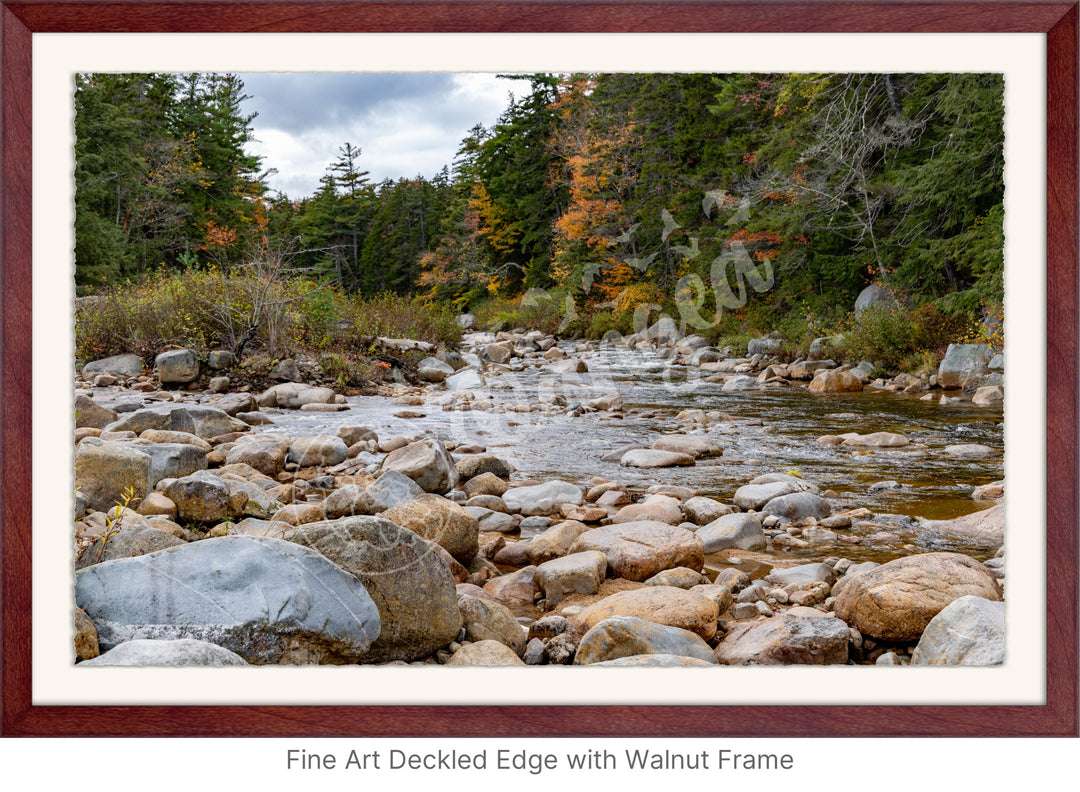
(404, 124)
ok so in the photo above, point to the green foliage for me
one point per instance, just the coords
(203, 310)
(900, 338)
(161, 174)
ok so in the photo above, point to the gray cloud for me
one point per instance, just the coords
(405, 124)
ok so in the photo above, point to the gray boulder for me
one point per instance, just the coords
(351, 500)
(179, 652)
(104, 471)
(120, 365)
(427, 462)
(268, 600)
(201, 497)
(762, 346)
(433, 370)
(739, 530)
(466, 379)
(969, 631)
(628, 636)
(264, 452)
(961, 362)
(798, 506)
(393, 489)
(177, 367)
(871, 296)
(172, 460)
(410, 585)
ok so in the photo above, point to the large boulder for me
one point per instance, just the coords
(106, 472)
(477, 464)
(786, 640)
(962, 361)
(753, 497)
(178, 652)
(968, 631)
(555, 542)
(195, 419)
(172, 460)
(668, 605)
(427, 462)
(443, 521)
(433, 370)
(656, 507)
(177, 367)
(268, 600)
(235, 403)
(702, 511)
(629, 636)
(120, 365)
(873, 295)
(638, 550)
(897, 600)
(351, 500)
(410, 585)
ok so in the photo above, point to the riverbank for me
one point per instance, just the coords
(547, 496)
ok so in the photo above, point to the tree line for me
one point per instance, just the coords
(613, 189)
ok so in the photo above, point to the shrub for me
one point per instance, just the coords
(212, 308)
(895, 337)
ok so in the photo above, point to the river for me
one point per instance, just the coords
(774, 430)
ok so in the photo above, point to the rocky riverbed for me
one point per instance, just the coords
(647, 500)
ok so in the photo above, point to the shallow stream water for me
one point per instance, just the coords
(774, 430)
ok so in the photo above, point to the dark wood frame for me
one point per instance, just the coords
(19, 20)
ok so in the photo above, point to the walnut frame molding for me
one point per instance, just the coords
(1057, 20)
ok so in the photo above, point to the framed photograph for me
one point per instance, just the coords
(764, 60)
